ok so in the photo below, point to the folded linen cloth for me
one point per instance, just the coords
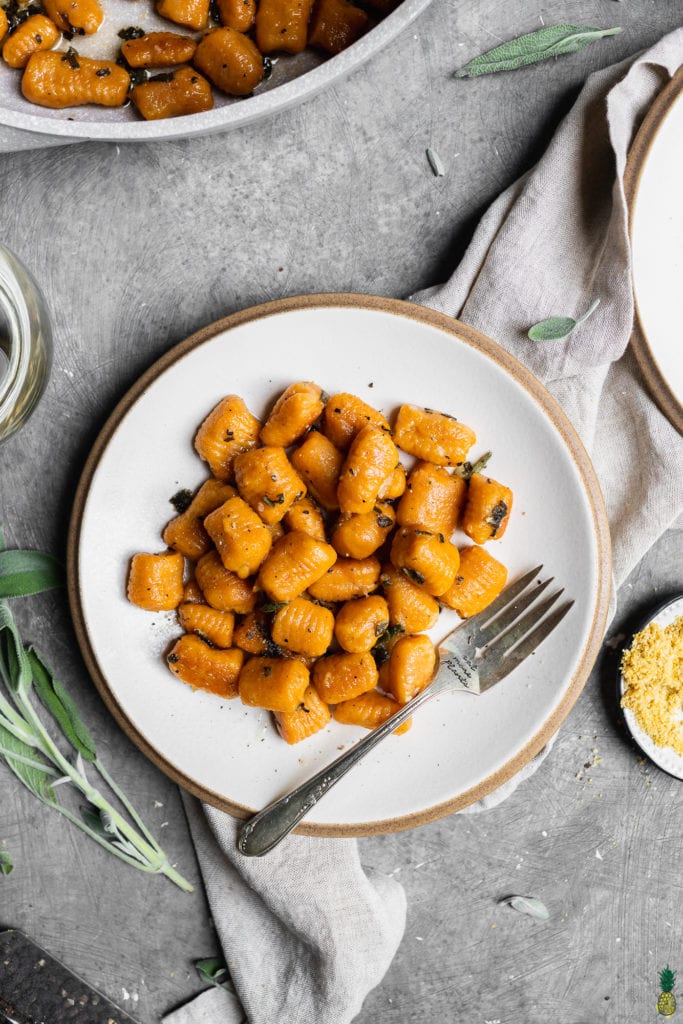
(306, 933)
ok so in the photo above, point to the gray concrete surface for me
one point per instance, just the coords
(136, 247)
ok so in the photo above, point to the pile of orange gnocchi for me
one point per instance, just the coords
(226, 44)
(316, 562)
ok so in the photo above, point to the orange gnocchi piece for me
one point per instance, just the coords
(223, 589)
(228, 430)
(79, 17)
(158, 50)
(479, 581)
(57, 80)
(155, 581)
(282, 25)
(210, 624)
(410, 667)
(303, 627)
(345, 579)
(240, 535)
(346, 415)
(230, 60)
(310, 717)
(428, 559)
(186, 533)
(190, 13)
(433, 499)
(360, 623)
(36, 33)
(410, 606)
(306, 517)
(339, 677)
(319, 463)
(237, 14)
(371, 460)
(295, 563)
(336, 24)
(4, 24)
(295, 411)
(369, 710)
(487, 510)
(204, 667)
(432, 436)
(276, 684)
(173, 94)
(267, 480)
(360, 535)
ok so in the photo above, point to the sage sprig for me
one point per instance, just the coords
(557, 328)
(30, 752)
(551, 41)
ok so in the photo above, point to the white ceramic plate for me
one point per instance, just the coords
(294, 78)
(665, 758)
(460, 746)
(653, 182)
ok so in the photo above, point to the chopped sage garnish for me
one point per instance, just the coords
(468, 469)
(131, 32)
(413, 574)
(6, 863)
(181, 500)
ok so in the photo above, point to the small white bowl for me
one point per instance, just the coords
(665, 758)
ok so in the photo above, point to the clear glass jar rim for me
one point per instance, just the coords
(16, 314)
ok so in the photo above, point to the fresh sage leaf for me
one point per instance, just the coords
(213, 970)
(12, 654)
(57, 701)
(551, 41)
(91, 817)
(23, 573)
(557, 328)
(528, 905)
(26, 766)
(6, 863)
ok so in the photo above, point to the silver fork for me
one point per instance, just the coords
(475, 656)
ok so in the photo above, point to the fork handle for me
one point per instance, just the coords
(270, 826)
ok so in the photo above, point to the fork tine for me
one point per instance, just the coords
(512, 612)
(503, 642)
(502, 601)
(489, 676)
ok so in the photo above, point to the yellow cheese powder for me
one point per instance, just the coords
(653, 675)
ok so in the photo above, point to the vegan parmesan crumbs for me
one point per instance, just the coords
(653, 674)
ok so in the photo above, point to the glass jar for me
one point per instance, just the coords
(25, 344)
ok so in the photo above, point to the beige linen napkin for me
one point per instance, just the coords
(305, 932)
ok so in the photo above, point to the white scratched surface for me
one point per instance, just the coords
(136, 247)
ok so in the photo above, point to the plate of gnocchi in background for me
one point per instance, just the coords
(139, 69)
(282, 519)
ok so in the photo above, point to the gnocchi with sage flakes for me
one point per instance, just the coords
(228, 45)
(308, 567)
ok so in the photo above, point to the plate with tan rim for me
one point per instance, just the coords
(460, 747)
(294, 78)
(653, 189)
